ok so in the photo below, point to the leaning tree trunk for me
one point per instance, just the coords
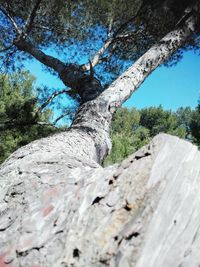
(59, 207)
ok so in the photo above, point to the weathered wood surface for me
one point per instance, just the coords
(58, 211)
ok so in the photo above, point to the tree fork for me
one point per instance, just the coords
(97, 114)
(72, 75)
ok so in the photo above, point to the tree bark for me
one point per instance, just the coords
(59, 211)
(51, 189)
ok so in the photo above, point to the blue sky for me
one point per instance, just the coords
(173, 87)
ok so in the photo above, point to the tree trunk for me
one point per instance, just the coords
(62, 212)
(59, 207)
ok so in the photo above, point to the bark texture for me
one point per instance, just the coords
(143, 212)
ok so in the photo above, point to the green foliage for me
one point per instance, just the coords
(80, 27)
(131, 129)
(157, 120)
(195, 125)
(127, 134)
(18, 114)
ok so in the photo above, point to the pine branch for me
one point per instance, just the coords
(97, 57)
(50, 99)
(111, 39)
(129, 34)
(67, 113)
(6, 48)
(59, 118)
(12, 20)
(31, 17)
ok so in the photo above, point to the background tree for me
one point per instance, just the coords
(184, 116)
(132, 129)
(195, 125)
(20, 122)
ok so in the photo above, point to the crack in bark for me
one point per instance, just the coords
(97, 200)
(26, 252)
(146, 154)
(47, 162)
(133, 234)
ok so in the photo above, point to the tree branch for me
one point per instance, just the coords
(49, 99)
(7, 14)
(60, 117)
(31, 17)
(41, 27)
(111, 39)
(96, 58)
(110, 26)
(129, 34)
(156, 55)
(6, 48)
(98, 55)
(72, 75)
(126, 23)
(47, 60)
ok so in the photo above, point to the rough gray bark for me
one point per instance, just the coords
(63, 212)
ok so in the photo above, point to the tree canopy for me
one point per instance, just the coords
(112, 34)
